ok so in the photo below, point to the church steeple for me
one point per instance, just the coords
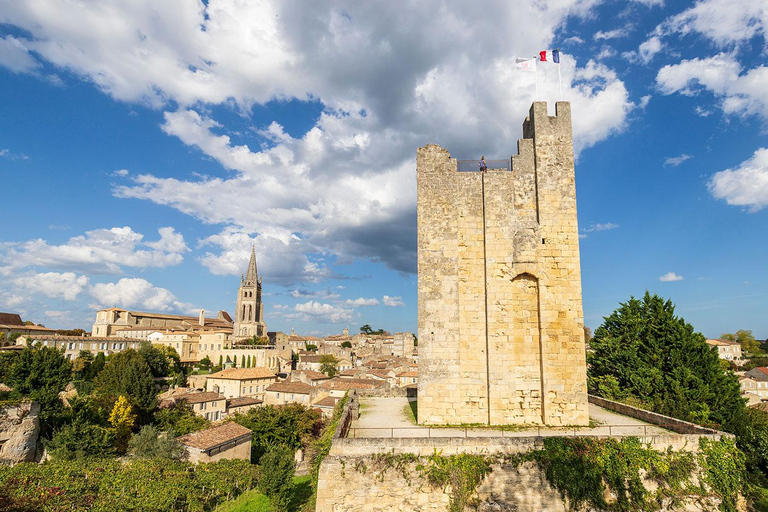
(252, 276)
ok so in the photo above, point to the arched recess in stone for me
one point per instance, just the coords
(526, 338)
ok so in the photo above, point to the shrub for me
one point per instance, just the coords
(151, 443)
(80, 440)
(277, 468)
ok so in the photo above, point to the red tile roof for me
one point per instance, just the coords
(291, 387)
(243, 374)
(215, 436)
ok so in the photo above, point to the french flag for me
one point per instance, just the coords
(555, 55)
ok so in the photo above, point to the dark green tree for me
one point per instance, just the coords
(180, 419)
(41, 373)
(127, 373)
(311, 347)
(277, 469)
(205, 363)
(366, 329)
(81, 364)
(643, 352)
(346, 344)
(293, 425)
(150, 443)
(96, 366)
(81, 440)
(155, 358)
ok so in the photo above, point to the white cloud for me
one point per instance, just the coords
(606, 52)
(346, 188)
(644, 102)
(740, 94)
(674, 161)
(392, 301)
(361, 302)
(6, 153)
(670, 276)
(649, 48)
(58, 315)
(617, 33)
(121, 173)
(15, 56)
(746, 185)
(98, 251)
(136, 293)
(67, 285)
(322, 312)
(723, 22)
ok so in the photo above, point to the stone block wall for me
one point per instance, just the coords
(499, 285)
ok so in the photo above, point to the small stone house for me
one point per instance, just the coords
(755, 381)
(281, 393)
(728, 350)
(406, 378)
(240, 382)
(227, 441)
(242, 405)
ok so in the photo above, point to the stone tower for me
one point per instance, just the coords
(501, 338)
(249, 312)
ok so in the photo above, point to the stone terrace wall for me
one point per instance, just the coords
(680, 426)
(354, 484)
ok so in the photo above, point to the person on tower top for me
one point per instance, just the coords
(483, 165)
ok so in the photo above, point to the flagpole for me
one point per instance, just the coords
(536, 77)
(560, 81)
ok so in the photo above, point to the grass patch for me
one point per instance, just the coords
(254, 501)
(411, 411)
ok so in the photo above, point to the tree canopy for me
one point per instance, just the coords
(643, 352)
(746, 339)
(329, 365)
(127, 373)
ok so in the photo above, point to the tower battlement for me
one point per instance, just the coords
(499, 284)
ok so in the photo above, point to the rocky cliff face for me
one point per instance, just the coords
(19, 431)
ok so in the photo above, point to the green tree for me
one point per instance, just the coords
(220, 362)
(13, 337)
(80, 440)
(96, 366)
(81, 364)
(747, 340)
(366, 329)
(205, 363)
(329, 365)
(150, 443)
(277, 469)
(293, 425)
(346, 344)
(128, 374)
(311, 347)
(41, 373)
(658, 359)
(70, 332)
(155, 359)
(180, 419)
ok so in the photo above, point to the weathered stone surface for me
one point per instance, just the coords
(501, 336)
(19, 430)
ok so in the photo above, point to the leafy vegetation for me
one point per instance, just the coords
(127, 373)
(346, 344)
(462, 472)
(645, 354)
(180, 419)
(292, 425)
(749, 345)
(81, 440)
(277, 469)
(150, 443)
(329, 365)
(101, 485)
(367, 329)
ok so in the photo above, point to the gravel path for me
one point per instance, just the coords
(385, 417)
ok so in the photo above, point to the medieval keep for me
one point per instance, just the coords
(249, 312)
(501, 338)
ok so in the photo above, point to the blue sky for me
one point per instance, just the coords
(145, 145)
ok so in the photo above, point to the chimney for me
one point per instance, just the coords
(202, 317)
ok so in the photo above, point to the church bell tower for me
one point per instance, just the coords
(249, 312)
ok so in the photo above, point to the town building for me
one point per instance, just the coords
(110, 321)
(227, 441)
(11, 323)
(728, 350)
(500, 317)
(72, 345)
(241, 382)
(249, 311)
(281, 393)
(755, 381)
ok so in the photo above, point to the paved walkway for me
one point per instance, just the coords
(385, 417)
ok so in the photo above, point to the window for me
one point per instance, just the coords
(243, 389)
(278, 395)
(216, 415)
(250, 390)
(292, 396)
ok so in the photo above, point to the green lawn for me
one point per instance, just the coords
(254, 501)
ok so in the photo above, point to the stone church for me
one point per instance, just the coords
(500, 319)
(249, 311)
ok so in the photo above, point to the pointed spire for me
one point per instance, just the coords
(253, 273)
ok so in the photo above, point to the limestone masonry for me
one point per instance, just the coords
(501, 337)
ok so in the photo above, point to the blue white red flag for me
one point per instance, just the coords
(555, 54)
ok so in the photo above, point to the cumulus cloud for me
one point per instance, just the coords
(746, 185)
(136, 293)
(721, 21)
(15, 56)
(674, 161)
(67, 285)
(99, 251)
(392, 302)
(345, 188)
(361, 302)
(740, 94)
(323, 312)
(670, 276)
